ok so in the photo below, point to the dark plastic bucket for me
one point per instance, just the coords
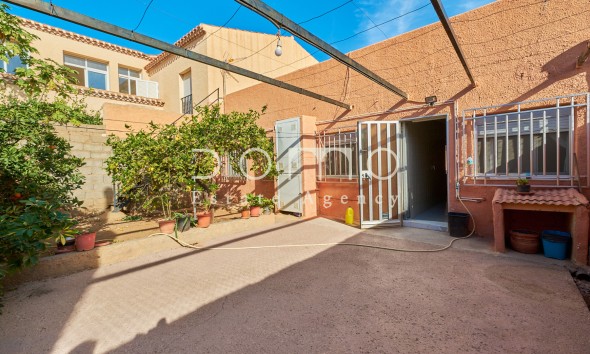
(458, 224)
(556, 243)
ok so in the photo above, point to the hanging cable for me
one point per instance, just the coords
(223, 26)
(381, 24)
(369, 18)
(352, 36)
(325, 13)
(143, 16)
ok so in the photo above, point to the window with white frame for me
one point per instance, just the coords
(128, 80)
(338, 155)
(230, 165)
(12, 64)
(534, 143)
(88, 73)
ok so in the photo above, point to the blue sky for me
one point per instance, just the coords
(169, 20)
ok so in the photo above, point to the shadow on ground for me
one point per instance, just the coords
(311, 299)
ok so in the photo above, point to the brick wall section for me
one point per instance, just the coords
(88, 142)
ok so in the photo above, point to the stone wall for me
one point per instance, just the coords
(88, 142)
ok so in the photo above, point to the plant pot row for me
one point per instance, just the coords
(255, 212)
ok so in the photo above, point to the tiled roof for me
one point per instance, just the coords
(117, 96)
(187, 38)
(558, 196)
(83, 39)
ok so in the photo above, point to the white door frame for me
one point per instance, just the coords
(366, 175)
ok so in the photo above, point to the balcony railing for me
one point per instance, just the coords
(187, 104)
(139, 87)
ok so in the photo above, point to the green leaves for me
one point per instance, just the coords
(38, 175)
(155, 167)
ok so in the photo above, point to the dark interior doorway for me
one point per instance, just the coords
(427, 176)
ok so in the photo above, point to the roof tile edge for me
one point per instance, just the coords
(193, 34)
(83, 39)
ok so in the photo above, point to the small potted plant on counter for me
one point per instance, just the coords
(523, 185)
(255, 202)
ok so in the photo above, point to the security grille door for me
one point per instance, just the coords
(288, 142)
(379, 181)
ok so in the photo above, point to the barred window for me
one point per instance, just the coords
(536, 142)
(229, 170)
(338, 155)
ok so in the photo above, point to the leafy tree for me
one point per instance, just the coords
(155, 167)
(38, 173)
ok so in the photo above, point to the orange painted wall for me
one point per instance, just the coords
(518, 50)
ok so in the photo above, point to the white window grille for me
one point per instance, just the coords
(89, 73)
(337, 155)
(536, 142)
(130, 82)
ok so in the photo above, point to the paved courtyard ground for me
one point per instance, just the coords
(304, 299)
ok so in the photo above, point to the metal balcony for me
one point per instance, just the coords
(187, 104)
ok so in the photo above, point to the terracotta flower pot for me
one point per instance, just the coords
(167, 226)
(204, 219)
(255, 211)
(525, 241)
(85, 242)
(245, 214)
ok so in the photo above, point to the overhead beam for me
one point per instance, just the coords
(86, 21)
(283, 22)
(444, 19)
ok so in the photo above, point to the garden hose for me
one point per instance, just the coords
(449, 245)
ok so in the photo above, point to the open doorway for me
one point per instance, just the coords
(426, 177)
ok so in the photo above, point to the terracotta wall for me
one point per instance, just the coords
(518, 50)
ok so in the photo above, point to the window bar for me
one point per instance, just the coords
(379, 173)
(519, 151)
(475, 152)
(531, 145)
(463, 149)
(544, 143)
(340, 173)
(369, 169)
(337, 154)
(333, 147)
(495, 145)
(572, 137)
(506, 146)
(389, 192)
(557, 134)
(485, 147)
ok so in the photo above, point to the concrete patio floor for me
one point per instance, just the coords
(305, 299)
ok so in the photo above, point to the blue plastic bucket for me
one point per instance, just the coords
(555, 243)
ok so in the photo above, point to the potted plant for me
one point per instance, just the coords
(204, 215)
(245, 210)
(255, 202)
(183, 222)
(85, 241)
(522, 185)
(267, 206)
